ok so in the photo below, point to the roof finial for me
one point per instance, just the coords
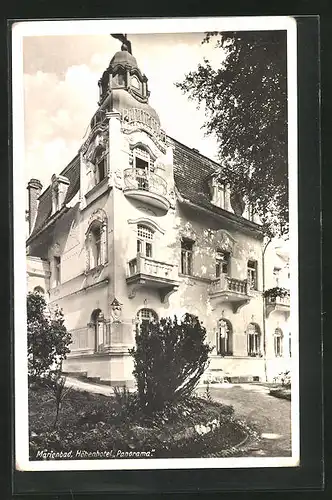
(126, 44)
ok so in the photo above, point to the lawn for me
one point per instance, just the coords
(198, 427)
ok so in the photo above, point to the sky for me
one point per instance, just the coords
(61, 76)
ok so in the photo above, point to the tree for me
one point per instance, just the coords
(48, 338)
(246, 107)
(169, 359)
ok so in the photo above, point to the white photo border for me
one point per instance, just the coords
(22, 29)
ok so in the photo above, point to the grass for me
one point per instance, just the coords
(98, 423)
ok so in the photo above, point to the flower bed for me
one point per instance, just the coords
(97, 423)
(281, 392)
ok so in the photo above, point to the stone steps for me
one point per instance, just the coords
(84, 377)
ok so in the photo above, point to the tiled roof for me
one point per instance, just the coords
(191, 171)
(72, 172)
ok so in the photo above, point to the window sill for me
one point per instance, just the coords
(95, 270)
(195, 277)
(99, 188)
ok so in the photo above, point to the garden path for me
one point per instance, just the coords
(270, 416)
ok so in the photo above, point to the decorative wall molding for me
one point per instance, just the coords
(148, 222)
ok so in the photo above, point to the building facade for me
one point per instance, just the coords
(139, 226)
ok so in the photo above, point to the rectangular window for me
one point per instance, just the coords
(101, 170)
(222, 263)
(187, 257)
(57, 271)
(148, 249)
(277, 346)
(253, 344)
(144, 240)
(142, 173)
(252, 274)
(290, 345)
(98, 247)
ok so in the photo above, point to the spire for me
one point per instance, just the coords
(126, 44)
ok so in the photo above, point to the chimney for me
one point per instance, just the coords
(34, 190)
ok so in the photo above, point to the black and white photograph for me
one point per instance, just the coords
(155, 243)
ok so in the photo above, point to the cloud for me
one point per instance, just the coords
(60, 99)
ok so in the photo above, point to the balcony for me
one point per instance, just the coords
(148, 188)
(147, 272)
(226, 289)
(278, 303)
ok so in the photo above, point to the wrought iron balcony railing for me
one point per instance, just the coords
(143, 181)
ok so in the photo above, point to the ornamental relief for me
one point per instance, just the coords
(94, 138)
(96, 147)
(98, 215)
(141, 136)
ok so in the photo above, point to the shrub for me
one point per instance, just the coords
(169, 359)
(48, 339)
(277, 291)
(284, 379)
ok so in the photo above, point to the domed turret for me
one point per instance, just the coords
(123, 58)
(123, 88)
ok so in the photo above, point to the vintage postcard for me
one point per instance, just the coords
(155, 243)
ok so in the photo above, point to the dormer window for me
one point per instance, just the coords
(55, 198)
(219, 192)
(59, 189)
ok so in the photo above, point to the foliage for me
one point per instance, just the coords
(98, 423)
(277, 291)
(284, 379)
(169, 359)
(56, 383)
(48, 339)
(246, 107)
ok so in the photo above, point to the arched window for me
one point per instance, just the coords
(224, 340)
(136, 83)
(253, 339)
(290, 344)
(145, 237)
(96, 244)
(146, 316)
(39, 289)
(278, 337)
(98, 324)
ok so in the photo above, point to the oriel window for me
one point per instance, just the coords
(187, 256)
